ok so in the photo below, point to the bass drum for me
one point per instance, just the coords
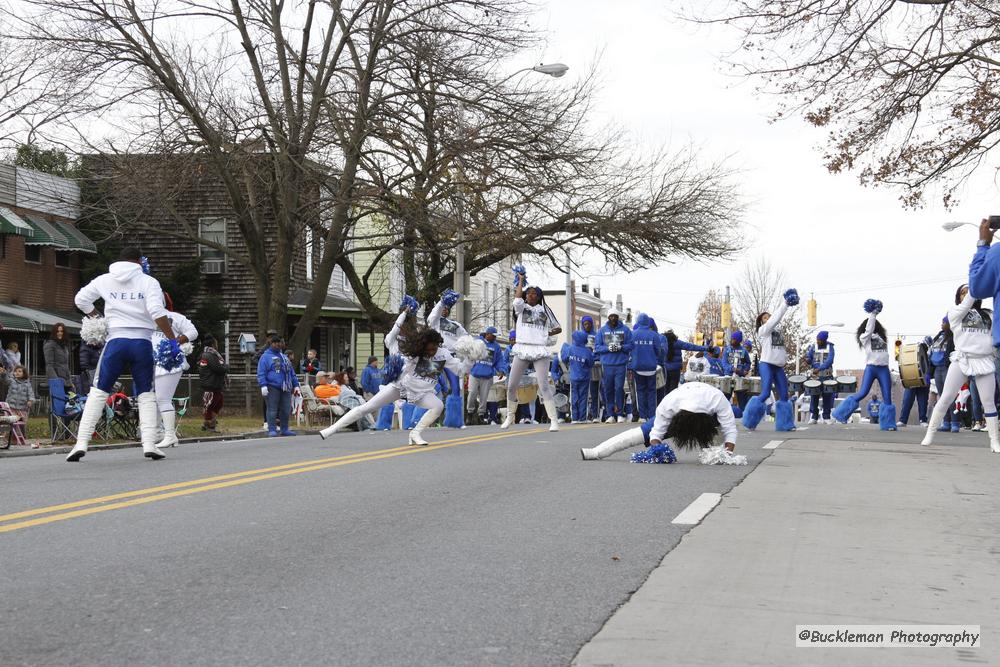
(913, 365)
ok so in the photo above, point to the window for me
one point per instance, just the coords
(33, 254)
(62, 259)
(214, 230)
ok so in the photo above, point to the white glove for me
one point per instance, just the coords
(263, 391)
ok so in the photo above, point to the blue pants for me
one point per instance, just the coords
(594, 411)
(920, 394)
(872, 373)
(940, 373)
(613, 385)
(279, 409)
(579, 393)
(828, 402)
(645, 395)
(773, 375)
(742, 398)
(136, 353)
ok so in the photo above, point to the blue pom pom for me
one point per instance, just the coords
(450, 297)
(393, 368)
(519, 270)
(846, 408)
(453, 417)
(873, 306)
(168, 355)
(410, 304)
(661, 453)
(753, 413)
(791, 297)
(144, 263)
(384, 422)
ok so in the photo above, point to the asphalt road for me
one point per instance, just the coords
(489, 548)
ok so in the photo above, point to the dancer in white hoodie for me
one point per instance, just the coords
(134, 309)
(166, 380)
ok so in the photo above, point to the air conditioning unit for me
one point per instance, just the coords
(212, 266)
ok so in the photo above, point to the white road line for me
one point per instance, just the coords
(773, 444)
(697, 510)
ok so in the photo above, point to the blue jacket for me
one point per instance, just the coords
(674, 361)
(274, 370)
(578, 357)
(507, 358)
(646, 352)
(715, 366)
(606, 335)
(984, 280)
(735, 360)
(874, 406)
(826, 365)
(371, 379)
(492, 366)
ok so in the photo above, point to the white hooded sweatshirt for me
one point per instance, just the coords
(132, 300)
(694, 397)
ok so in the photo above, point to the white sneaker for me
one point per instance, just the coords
(900, 424)
(609, 420)
(595, 420)
(621, 420)
(830, 421)
(812, 421)
(923, 423)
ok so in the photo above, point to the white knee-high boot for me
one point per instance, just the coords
(416, 435)
(92, 411)
(353, 415)
(932, 426)
(147, 425)
(630, 438)
(511, 413)
(550, 409)
(993, 429)
(169, 430)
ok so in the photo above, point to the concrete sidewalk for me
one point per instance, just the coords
(825, 532)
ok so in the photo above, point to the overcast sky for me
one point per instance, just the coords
(664, 83)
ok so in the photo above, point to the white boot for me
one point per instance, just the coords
(416, 435)
(352, 415)
(932, 427)
(993, 428)
(550, 410)
(92, 411)
(147, 425)
(169, 430)
(630, 438)
(511, 413)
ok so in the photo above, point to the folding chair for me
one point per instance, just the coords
(15, 425)
(180, 409)
(62, 415)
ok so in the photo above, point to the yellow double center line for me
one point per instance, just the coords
(72, 510)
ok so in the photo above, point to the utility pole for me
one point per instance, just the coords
(729, 320)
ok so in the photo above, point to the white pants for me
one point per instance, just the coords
(479, 392)
(953, 384)
(165, 386)
(517, 368)
(386, 395)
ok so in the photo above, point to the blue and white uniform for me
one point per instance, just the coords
(820, 358)
(876, 350)
(612, 348)
(773, 357)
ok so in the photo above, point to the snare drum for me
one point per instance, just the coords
(710, 379)
(813, 387)
(726, 384)
(847, 384)
(748, 384)
(795, 383)
(830, 386)
(913, 365)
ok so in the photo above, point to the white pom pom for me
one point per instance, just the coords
(94, 329)
(187, 349)
(721, 455)
(471, 349)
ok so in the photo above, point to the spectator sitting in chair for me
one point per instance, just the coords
(324, 389)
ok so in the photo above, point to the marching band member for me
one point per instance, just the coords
(820, 357)
(133, 309)
(939, 357)
(973, 358)
(872, 339)
(736, 362)
(594, 405)
(166, 380)
(691, 416)
(481, 377)
(535, 323)
(643, 361)
(580, 360)
(773, 357)
(614, 342)
(919, 394)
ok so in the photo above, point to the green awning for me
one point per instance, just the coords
(11, 223)
(10, 322)
(77, 240)
(45, 233)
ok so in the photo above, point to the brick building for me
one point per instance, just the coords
(40, 253)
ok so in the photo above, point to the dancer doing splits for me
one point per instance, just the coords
(691, 415)
(773, 357)
(972, 358)
(872, 339)
(535, 323)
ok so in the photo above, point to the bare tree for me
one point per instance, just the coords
(759, 289)
(907, 88)
(709, 316)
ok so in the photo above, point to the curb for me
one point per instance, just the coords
(64, 449)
